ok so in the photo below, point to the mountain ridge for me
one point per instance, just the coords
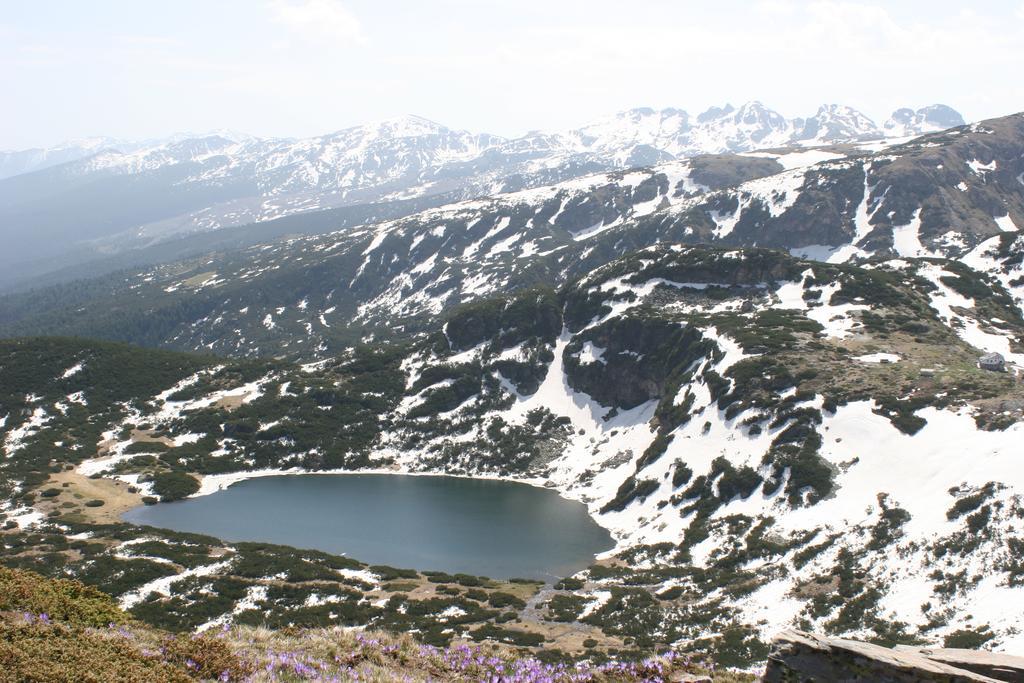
(143, 194)
(952, 194)
(902, 123)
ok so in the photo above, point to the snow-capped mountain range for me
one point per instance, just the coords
(16, 162)
(629, 138)
(134, 194)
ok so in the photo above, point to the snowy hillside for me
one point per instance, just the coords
(759, 430)
(734, 417)
(953, 194)
(16, 162)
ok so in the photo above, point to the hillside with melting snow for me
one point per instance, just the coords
(771, 440)
(955, 194)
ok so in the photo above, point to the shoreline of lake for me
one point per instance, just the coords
(457, 524)
(212, 483)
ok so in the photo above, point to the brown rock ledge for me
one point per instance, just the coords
(799, 657)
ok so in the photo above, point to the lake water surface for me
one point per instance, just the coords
(477, 526)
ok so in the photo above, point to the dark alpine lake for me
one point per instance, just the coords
(475, 526)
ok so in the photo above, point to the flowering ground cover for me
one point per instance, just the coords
(64, 630)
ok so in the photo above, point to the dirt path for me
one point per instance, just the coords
(532, 610)
(567, 636)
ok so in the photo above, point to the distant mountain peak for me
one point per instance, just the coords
(410, 125)
(752, 105)
(906, 122)
(756, 113)
(712, 113)
(403, 126)
(835, 123)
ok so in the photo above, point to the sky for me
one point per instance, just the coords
(296, 68)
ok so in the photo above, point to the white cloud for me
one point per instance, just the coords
(784, 7)
(327, 20)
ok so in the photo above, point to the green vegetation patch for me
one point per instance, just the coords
(64, 600)
(41, 652)
(174, 485)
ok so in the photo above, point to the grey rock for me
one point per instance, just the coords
(992, 361)
(803, 657)
(996, 665)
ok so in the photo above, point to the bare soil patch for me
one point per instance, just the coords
(116, 497)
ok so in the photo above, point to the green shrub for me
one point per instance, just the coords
(439, 577)
(500, 599)
(630, 490)
(37, 652)
(681, 474)
(146, 447)
(970, 503)
(387, 573)
(507, 635)
(403, 587)
(64, 600)
(174, 485)
(468, 580)
(969, 639)
(566, 607)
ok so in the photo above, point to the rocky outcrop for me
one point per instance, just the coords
(804, 657)
(996, 665)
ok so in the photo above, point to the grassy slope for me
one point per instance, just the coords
(63, 630)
